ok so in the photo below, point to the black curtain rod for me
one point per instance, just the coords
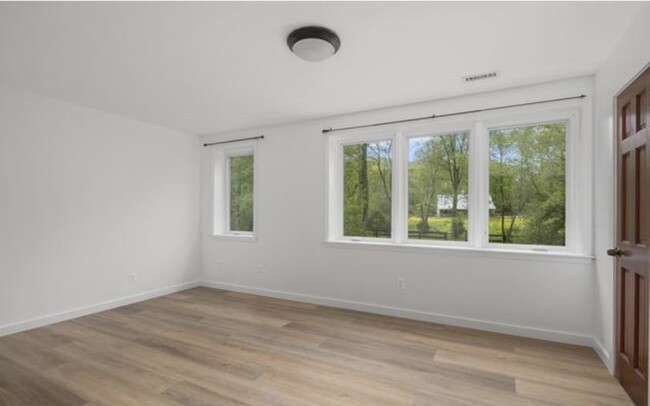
(458, 113)
(237, 140)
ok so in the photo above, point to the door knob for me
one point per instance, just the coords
(615, 252)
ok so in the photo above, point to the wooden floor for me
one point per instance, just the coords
(211, 347)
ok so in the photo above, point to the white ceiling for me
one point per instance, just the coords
(211, 67)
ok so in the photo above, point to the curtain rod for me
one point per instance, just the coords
(458, 113)
(237, 140)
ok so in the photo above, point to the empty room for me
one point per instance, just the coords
(324, 203)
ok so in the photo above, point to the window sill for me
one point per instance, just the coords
(236, 237)
(465, 251)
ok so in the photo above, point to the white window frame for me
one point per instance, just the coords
(455, 127)
(360, 138)
(578, 178)
(221, 198)
(571, 204)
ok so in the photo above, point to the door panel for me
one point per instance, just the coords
(642, 109)
(627, 179)
(641, 192)
(633, 261)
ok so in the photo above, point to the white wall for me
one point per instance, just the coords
(86, 198)
(521, 294)
(628, 59)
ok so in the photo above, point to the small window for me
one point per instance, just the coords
(367, 183)
(234, 191)
(241, 193)
(528, 185)
(438, 170)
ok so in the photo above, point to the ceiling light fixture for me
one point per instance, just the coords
(313, 44)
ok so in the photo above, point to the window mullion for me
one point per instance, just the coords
(478, 187)
(400, 189)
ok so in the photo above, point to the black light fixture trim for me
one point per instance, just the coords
(322, 33)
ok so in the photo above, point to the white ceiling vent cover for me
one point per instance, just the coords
(481, 76)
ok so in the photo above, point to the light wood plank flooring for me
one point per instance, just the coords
(211, 347)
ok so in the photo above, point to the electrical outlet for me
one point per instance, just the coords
(133, 277)
(401, 283)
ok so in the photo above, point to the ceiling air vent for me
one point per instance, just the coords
(481, 76)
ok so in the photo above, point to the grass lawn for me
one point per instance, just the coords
(443, 224)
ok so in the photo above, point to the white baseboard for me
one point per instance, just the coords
(95, 308)
(603, 354)
(512, 329)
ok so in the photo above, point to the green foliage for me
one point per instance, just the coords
(527, 186)
(367, 189)
(241, 193)
(527, 183)
(438, 168)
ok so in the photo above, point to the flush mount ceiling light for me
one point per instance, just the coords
(313, 44)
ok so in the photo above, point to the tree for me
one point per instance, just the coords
(548, 164)
(527, 183)
(380, 154)
(380, 157)
(423, 181)
(241, 193)
(363, 182)
(367, 188)
(438, 168)
(455, 161)
(503, 167)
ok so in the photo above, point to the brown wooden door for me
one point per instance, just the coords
(632, 264)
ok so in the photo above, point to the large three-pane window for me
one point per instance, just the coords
(483, 183)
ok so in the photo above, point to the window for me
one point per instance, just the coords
(438, 187)
(234, 191)
(367, 189)
(495, 182)
(528, 184)
(241, 193)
